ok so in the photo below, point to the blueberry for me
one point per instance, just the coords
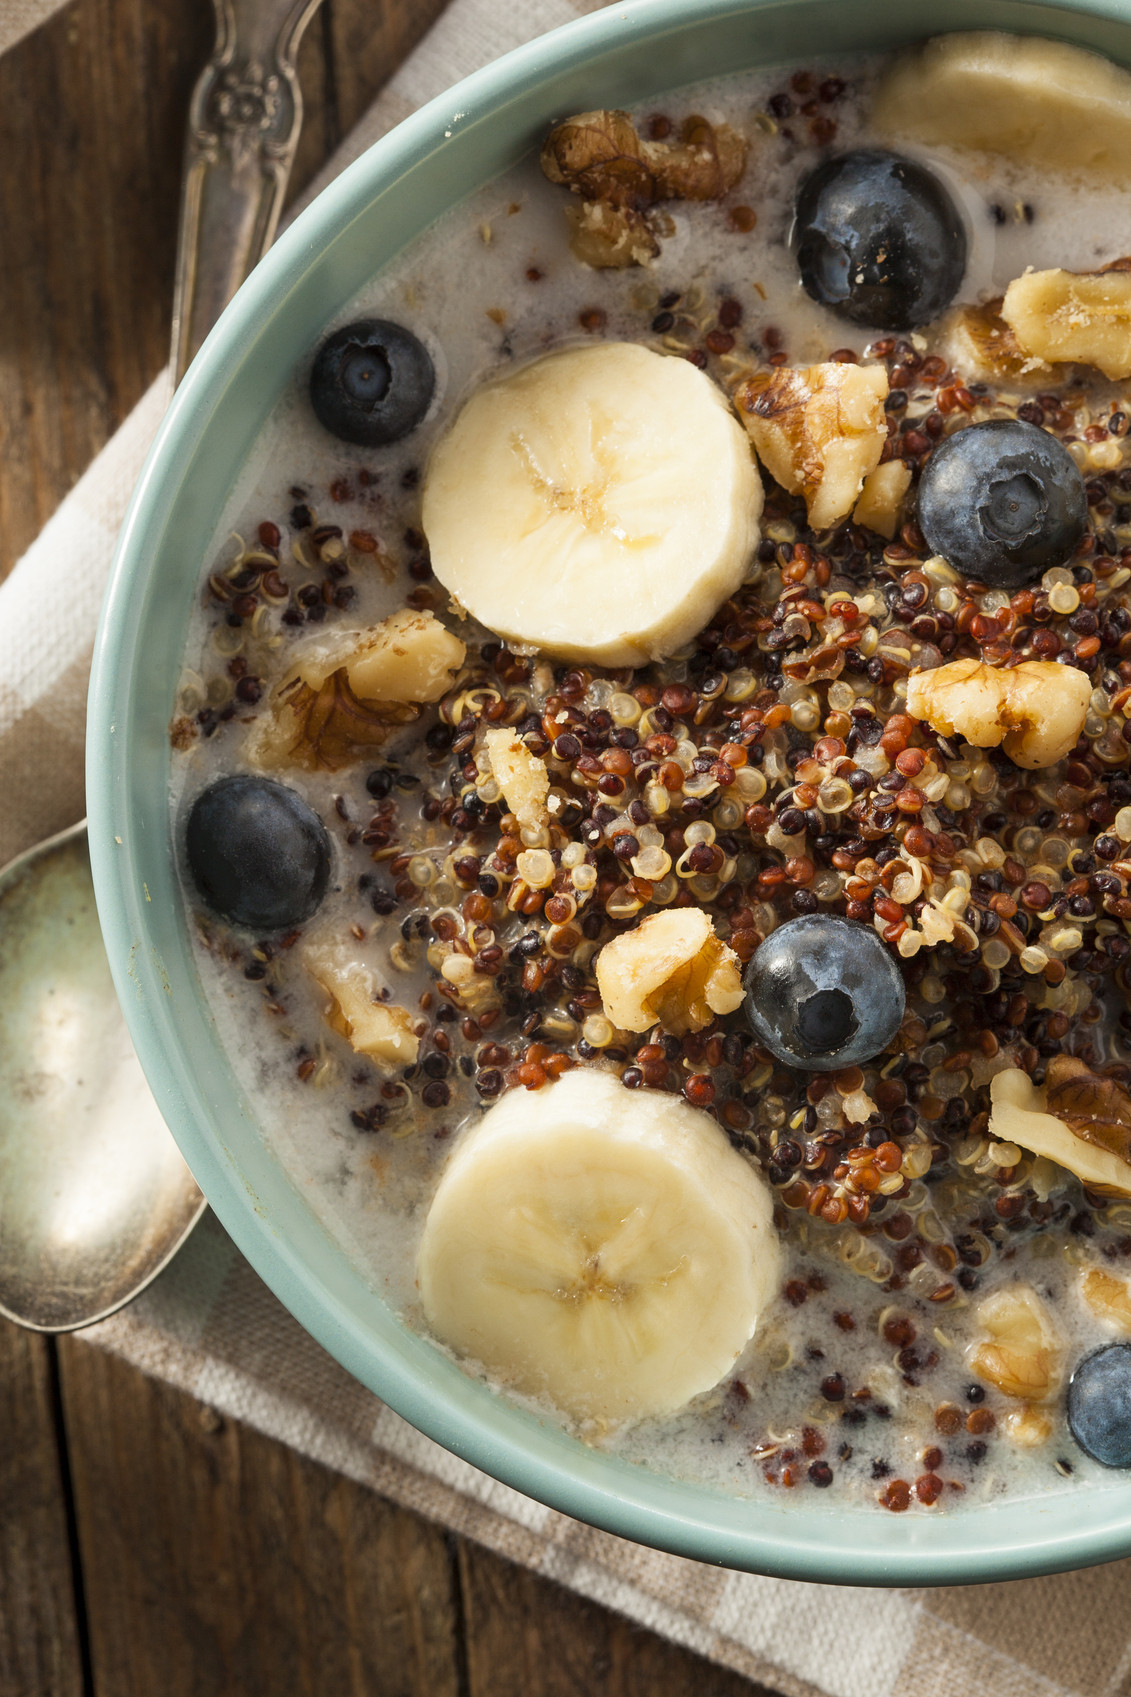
(824, 993)
(372, 382)
(258, 854)
(1002, 501)
(1099, 1405)
(879, 240)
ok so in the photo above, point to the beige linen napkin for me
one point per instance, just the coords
(19, 17)
(210, 1326)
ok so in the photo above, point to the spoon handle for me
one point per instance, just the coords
(243, 128)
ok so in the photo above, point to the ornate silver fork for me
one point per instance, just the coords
(243, 129)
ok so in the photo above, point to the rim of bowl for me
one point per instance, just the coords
(848, 1545)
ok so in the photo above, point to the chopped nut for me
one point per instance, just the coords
(1073, 316)
(522, 777)
(1022, 1355)
(980, 345)
(600, 156)
(671, 970)
(1109, 1298)
(1081, 1121)
(620, 177)
(380, 1030)
(347, 688)
(1035, 710)
(882, 496)
(819, 430)
(1027, 1427)
(610, 237)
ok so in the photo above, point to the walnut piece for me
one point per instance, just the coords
(380, 1030)
(819, 430)
(347, 689)
(982, 347)
(1083, 317)
(1022, 1353)
(620, 177)
(1080, 1121)
(1027, 1427)
(1035, 710)
(521, 776)
(1109, 1298)
(882, 497)
(672, 971)
(610, 238)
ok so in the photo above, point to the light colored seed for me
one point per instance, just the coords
(536, 867)
(727, 815)
(1033, 959)
(622, 904)
(741, 685)
(749, 783)
(656, 800)
(625, 709)
(1063, 598)
(597, 1031)
(652, 863)
(834, 796)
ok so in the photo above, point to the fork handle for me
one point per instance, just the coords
(243, 128)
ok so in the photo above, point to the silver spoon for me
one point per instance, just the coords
(95, 1198)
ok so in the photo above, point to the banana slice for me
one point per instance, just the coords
(598, 504)
(1054, 106)
(601, 1247)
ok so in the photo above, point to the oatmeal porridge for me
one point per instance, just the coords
(651, 779)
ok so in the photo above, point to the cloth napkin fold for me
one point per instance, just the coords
(210, 1326)
(19, 17)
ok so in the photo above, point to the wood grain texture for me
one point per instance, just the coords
(526, 1637)
(92, 112)
(218, 1563)
(39, 1654)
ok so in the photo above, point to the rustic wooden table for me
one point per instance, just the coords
(146, 1545)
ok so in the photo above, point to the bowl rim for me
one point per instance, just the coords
(860, 1546)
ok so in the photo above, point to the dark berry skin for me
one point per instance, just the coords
(1099, 1405)
(258, 854)
(878, 240)
(1002, 502)
(824, 993)
(372, 383)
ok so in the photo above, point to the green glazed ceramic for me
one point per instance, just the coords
(614, 58)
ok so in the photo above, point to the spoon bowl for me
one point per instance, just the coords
(95, 1196)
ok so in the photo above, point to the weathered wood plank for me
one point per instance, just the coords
(92, 113)
(527, 1637)
(92, 110)
(221, 1564)
(39, 1646)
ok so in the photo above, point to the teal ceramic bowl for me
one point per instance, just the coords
(617, 57)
